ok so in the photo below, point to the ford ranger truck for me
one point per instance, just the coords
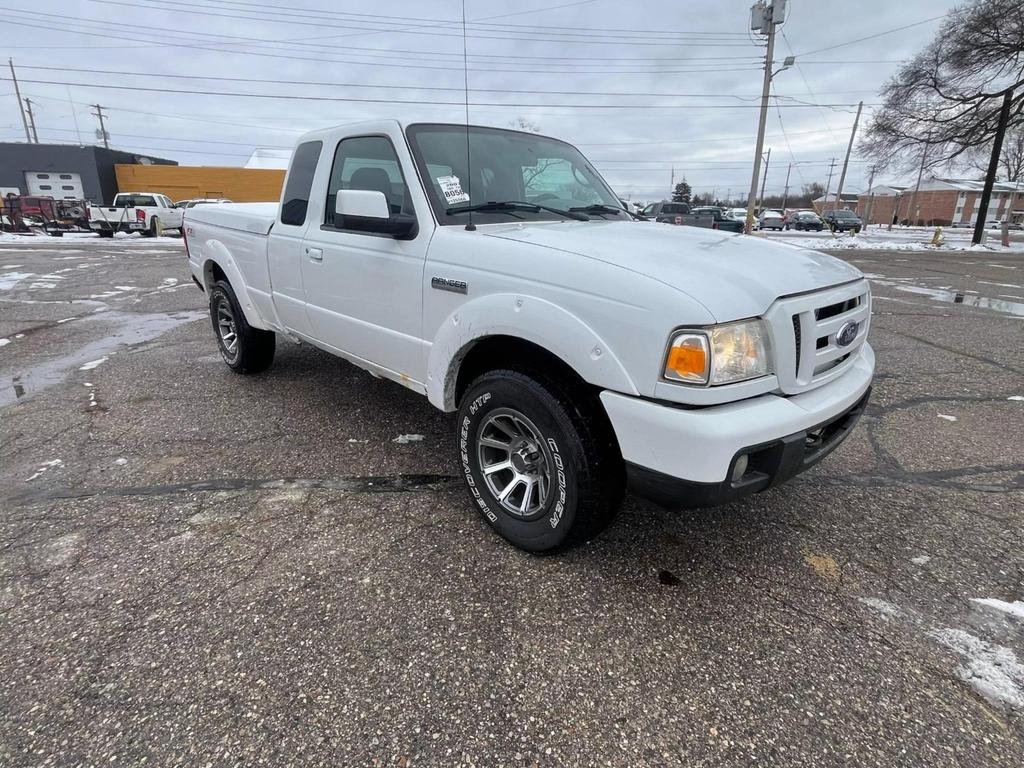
(580, 351)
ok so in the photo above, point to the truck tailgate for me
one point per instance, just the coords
(256, 218)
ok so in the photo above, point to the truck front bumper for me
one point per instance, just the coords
(684, 457)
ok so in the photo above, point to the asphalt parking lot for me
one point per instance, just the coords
(198, 568)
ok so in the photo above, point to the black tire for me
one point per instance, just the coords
(253, 348)
(575, 449)
(105, 232)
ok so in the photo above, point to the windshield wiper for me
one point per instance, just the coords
(602, 208)
(517, 205)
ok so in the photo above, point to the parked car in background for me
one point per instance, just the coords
(664, 210)
(699, 368)
(1011, 225)
(148, 213)
(711, 217)
(186, 204)
(771, 220)
(805, 221)
(842, 220)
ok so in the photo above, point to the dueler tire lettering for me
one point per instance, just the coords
(581, 458)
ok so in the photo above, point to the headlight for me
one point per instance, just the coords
(722, 354)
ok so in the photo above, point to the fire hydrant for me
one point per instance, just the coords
(937, 239)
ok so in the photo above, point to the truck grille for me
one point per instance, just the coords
(804, 331)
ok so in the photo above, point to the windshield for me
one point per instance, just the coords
(506, 166)
(844, 214)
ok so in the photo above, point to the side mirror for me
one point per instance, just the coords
(368, 211)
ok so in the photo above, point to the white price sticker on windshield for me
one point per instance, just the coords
(451, 188)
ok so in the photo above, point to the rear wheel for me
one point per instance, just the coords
(245, 349)
(105, 232)
(539, 459)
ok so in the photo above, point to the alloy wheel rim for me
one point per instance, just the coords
(227, 329)
(515, 462)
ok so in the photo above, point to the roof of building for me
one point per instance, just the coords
(262, 157)
(848, 197)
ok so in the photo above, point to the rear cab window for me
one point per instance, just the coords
(295, 200)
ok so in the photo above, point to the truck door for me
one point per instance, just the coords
(285, 247)
(364, 289)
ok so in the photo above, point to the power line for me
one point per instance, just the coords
(564, 38)
(405, 22)
(361, 100)
(78, 70)
(872, 37)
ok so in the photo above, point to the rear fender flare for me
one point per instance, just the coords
(214, 252)
(529, 318)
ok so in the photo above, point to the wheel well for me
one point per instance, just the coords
(212, 273)
(510, 353)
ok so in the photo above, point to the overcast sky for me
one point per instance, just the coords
(639, 87)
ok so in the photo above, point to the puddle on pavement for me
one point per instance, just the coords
(1014, 308)
(127, 329)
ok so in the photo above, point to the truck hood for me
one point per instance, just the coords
(733, 276)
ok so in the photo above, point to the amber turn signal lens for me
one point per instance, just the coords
(688, 359)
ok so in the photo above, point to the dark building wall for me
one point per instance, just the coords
(94, 164)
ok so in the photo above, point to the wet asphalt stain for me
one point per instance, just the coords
(668, 579)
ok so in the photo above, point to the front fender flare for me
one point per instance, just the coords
(529, 318)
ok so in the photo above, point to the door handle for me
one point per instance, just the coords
(315, 254)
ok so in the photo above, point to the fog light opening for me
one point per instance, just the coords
(739, 469)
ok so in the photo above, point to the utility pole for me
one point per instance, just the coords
(764, 179)
(912, 208)
(785, 190)
(764, 19)
(828, 184)
(846, 162)
(31, 120)
(17, 93)
(871, 196)
(103, 130)
(672, 185)
(993, 167)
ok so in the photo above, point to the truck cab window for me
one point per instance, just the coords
(367, 163)
(295, 200)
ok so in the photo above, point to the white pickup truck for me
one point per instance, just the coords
(496, 273)
(148, 213)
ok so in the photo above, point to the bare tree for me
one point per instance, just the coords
(1011, 159)
(945, 102)
(523, 124)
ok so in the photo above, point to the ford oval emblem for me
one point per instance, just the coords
(847, 333)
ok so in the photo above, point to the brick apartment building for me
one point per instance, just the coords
(940, 202)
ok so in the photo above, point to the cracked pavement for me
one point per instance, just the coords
(198, 568)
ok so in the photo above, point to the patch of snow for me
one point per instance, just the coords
(403, 439)
(920, 560)
(992, 670)
(947, 417)
(11, 266)
(10, 279)
(94, 363)
(4, 342)
(65, 320)
(126, 287)
(45, 467)
(121, 461)
(19, 335)
(1016, 397)
(1001, 266)
(170, 281)
(884, 607)
(1015, 609)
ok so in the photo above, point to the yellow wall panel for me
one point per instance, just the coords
(182, 182)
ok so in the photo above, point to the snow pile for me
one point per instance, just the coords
(992, 670)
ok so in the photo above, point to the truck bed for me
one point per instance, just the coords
(255, 218)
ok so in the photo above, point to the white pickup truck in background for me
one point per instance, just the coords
(148, 213)
(496, 273)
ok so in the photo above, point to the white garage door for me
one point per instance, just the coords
(62, 186)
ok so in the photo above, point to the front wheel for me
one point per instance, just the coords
(540, 459)
(245, 349)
